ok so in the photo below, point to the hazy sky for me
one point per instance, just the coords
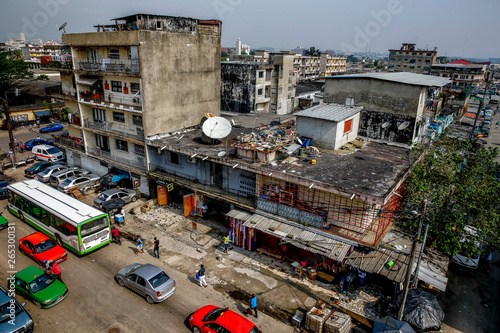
(462, 28)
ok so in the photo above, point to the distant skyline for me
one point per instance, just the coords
(457, 28)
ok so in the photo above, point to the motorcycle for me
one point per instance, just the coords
(117, 240)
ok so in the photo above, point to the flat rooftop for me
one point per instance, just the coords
(399, 77)
(364, 167)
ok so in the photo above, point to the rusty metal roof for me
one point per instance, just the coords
(239, 214)
(300, 236)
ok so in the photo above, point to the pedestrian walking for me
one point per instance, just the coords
(54, 269)
(38, 137)
(156, 250)
(38, 123)
(253, 306)
(139, 246)
(201, 274)
(226, 243)
(22, 147)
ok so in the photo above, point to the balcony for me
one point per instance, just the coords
(59, 92)
(75, 144)
(135, 133)
(112, 101)
(108, 65)
(132, 164)
(56, 62)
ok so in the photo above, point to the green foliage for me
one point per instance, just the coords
(223, 59)
(443, 59)
(369, 66)
(12, 69)
(42, 77)
(458, 182)
(313, 52)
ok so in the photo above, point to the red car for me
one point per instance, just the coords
(211, 319)
(40, 247)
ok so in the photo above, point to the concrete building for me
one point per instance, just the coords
(266, 85)
(143, 76)
(410, 59)
(398, 107)
(307, 94)
(312, 67)
(463, 74)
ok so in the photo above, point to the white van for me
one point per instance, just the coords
(461, 259)
(47, 153)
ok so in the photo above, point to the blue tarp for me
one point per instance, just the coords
(42, 113)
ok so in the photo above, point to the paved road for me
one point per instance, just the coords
(96, 303)
(22, 134)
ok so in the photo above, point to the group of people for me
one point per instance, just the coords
(139, 245)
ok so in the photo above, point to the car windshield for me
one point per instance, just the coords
(41, 282)
(6, 311)
(102, 196)
(213, 315)
(52, 150)
(66, 182)
(45, 245)
(254, 330)
(93, 226)
(159, 279)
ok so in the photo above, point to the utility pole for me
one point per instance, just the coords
(420, 255)
(9, 129)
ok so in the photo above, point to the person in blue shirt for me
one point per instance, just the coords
(253, 305)
(139, 246)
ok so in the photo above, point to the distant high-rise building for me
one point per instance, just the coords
(22, 37)
(410, 59)
(238, 46)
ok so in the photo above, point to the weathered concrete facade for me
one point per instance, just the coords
(238, 85)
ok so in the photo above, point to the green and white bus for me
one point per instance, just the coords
(72, 223)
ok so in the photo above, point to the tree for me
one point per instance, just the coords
(457, 180)
(12, 70)
(313, 52)
(442, 60)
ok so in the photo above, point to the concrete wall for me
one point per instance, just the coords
(371, 126)
(180, 79)
(238, 87)
(111, 38)
(284, 81)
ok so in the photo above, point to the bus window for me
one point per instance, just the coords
(45, 218)
(36, 211)
(69, 230)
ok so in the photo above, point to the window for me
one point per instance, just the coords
(261, 74)
(259, 92)
(116, 86)
(119, 117)
(99, 115)
(134, 87)
(174, 158)
(121, 145)
(158, 24)
(139, 150)
(137, 120)
(102, 142)
(114, 54)
(141, 281)
(347, 126)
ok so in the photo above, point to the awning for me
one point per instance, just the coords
(300, 236)
(42, 113)
(87, 81)
(239, 214)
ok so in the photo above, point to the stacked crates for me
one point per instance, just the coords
(316, 318)
(338, 322)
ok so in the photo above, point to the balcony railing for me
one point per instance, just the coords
(111, 99)
(108, 65)
(58, 92)
(72, 144)
(191, 181)
(137, 163)
(63, 62)
(136, 133)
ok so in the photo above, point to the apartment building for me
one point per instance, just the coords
(143, 76)
(463, 73)
(410, 59)
(312, 67)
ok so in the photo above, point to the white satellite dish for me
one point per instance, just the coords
(299, 141)
(404, 125)
(216, 127)
(386, 124)
(63, 26)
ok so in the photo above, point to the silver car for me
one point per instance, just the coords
(81, 181)
(44, 176)
(148, 281)
(58, 177)
(125, 194)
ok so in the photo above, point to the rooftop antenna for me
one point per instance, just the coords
(62, 27)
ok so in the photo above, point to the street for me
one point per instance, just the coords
(96, 303)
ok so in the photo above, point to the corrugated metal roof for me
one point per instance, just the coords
(400, 77)
(239, 214)
(300, 237)
(331, 112)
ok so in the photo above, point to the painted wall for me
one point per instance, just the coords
(238, 87)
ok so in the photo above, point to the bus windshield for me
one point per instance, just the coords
(93, 226)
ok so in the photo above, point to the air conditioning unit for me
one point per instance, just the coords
(191, 159)
(131, 108)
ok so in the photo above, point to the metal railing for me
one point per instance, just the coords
(160, 173)
(72, 144)
(64, 62)
(59, 92)
(111, 98)
(139, 163)
(136, 133)
(108, 65)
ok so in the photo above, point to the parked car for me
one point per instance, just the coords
(58, 177)
(51, 128)
(148, 281)
(4, 194)
(47, 153)
(42, 289)
(36, 168)
(44, 176)
(214, 319)
(40, 247)
(10, 306)
(80, 181)
(28, 145)
(126, 195)
(3, 222)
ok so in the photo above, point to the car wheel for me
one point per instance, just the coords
(21, 250)
(134, 199)
(149, 299)
(36, 158)
(38, 305)
(59, 241)
(121, 283)
(196, 329)
(21, 216)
